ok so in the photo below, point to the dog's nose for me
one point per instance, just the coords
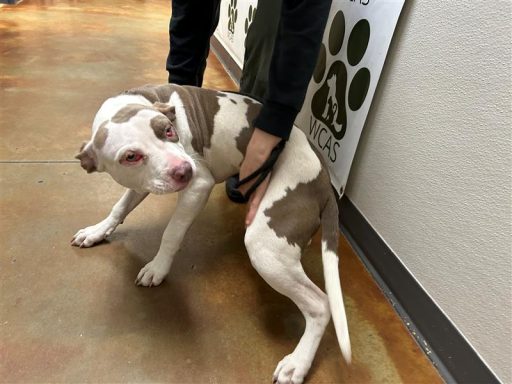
(181, 173)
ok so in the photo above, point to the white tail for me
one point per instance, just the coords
(330, 235)
(333, 288)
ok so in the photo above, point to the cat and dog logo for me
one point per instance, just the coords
(330, 102)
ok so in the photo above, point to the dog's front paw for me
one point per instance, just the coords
(152, 274)
(291, 370)
(94, 234)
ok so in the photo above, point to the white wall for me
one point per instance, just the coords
(432, 173)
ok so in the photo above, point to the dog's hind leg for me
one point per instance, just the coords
(94, 234)
(280, 267)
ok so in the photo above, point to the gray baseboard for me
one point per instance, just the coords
(450, 352)
(230, 65)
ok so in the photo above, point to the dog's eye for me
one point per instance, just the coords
(170, 133)
(132, 157)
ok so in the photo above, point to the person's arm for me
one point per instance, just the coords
(296, 49)
(295, 53)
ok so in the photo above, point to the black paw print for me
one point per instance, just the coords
(250, 18)
(232, 15)
(329, 104)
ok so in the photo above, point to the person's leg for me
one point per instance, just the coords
(192, 24)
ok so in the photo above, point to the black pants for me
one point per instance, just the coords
(259, 46)
(193, 23)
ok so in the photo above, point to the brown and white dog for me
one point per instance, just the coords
(168, 138)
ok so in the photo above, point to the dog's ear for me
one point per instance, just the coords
(166, 109)
(87, 157)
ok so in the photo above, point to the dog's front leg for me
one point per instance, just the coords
(190, 202)
(94, 234)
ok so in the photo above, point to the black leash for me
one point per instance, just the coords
(262, 172)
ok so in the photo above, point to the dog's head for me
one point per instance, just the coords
(139, 146)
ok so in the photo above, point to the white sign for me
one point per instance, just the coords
(355, 44)
(234, 20)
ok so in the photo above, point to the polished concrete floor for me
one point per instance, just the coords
(74, 315)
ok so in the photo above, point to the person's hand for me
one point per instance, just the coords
(258, 150)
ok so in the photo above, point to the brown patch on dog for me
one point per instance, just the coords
(330, 223)
(160, 125)
(87, 158)
(243, 138)
(166, 109)
(253, 110)
(297, 216)
(101, 135)
(201, 107)
(127, 112)
(330, 214)
(153, 93)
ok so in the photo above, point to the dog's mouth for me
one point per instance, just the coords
(180, 186)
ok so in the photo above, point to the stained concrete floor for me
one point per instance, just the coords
(74, 315)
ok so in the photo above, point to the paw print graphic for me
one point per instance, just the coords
(329, 104)
(232, 16)
(250, 18)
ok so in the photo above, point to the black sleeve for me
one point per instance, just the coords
(296, 48)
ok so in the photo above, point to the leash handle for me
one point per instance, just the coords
(266, 167)
(262, 171)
